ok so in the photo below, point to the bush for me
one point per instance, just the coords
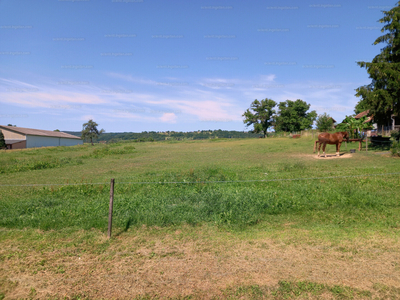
(395, 134)
(395, 149)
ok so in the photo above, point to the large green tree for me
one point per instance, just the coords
(324, 122)
(260, 115)
(382, 95)
(90, 131)
(293, 116)
(361, 107)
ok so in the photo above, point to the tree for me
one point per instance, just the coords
(293, 116)
(361, 107)
(354, 126)
(260, 115)
(324, 122)
(382, 95)
(2, 141)
(90, 131)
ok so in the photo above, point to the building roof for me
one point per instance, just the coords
(29, 131)
(362, 114)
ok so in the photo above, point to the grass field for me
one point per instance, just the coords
(234, 218)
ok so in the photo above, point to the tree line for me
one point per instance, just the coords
(91, 133)
(291, 116)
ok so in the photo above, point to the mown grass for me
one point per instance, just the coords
(164, 184)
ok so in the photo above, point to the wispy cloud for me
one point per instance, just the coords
(41, 99)
(208, 99)
(15, 83)
(130, 78)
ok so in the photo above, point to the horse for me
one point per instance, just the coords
(332, 139)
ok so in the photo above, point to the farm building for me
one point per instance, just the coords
(19, 138)
(395, 124)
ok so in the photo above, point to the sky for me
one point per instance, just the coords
(158, 65)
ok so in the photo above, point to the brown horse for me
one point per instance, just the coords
(332, 139)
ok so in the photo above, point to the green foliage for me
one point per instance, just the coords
(395, 134)
(324, 122)
(382, 95)
(90, 131)
(2, 141)
(293, 116)
(260, 116)
(354, 126)
(395, 149)
(361, 107)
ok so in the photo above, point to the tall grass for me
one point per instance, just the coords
(233, 205)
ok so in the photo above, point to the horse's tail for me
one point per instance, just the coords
(315, 145)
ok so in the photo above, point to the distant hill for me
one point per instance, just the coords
(170, 135)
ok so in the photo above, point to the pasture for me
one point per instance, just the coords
(223, 218)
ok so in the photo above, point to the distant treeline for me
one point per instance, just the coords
(170, 135)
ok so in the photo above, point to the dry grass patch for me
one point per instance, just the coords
(200, 262)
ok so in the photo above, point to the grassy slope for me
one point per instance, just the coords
(327, 210)
(359, 202)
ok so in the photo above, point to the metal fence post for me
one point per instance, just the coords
(110, 210)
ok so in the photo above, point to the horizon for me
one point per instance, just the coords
(137, 65)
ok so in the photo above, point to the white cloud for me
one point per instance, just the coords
(222, 99)
(168, 118)
(269, 78)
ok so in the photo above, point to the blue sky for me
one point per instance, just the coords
(157, 65)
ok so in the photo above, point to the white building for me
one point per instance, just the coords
(19, 138)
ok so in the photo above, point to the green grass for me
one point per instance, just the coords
(297, 290)
(181, 187)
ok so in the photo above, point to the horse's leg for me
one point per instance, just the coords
(323, 149)
(338, 149)
(319, 147)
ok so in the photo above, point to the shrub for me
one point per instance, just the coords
(395, 149)
(395, 134)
